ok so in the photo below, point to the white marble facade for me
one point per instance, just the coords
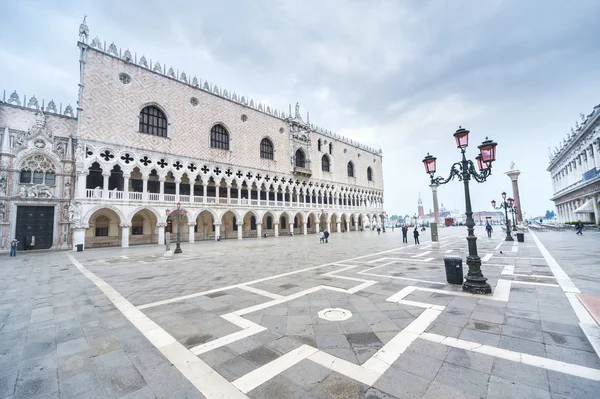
(109, 183)
(575, 170)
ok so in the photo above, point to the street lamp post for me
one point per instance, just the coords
(506, 205)
(179, 215)
(464, 170)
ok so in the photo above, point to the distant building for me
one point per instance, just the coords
(575, 170)
(420, 207)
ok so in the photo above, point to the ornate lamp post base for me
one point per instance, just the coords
(509, 238)
(476, 285)
(178, 249)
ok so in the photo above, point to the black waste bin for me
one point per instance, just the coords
(454, 271)
(521, 237)
(79, 247)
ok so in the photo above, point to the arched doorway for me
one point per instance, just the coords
(229, 226)
(205, 228)
(143, 228)
(249, 225)
(103, 230)
(298, 223)
(174, 223)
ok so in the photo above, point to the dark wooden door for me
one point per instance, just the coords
(35, 221)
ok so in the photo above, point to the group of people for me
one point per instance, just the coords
(405, 234)
(324, 237)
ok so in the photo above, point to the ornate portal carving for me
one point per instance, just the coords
(35, 191)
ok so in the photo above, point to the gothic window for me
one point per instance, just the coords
(369, 174)
(102, 226)
(252, 223)
(300, 159)
(319, 144)
(269, 222)
(350, 169)
(330, 149)
(153, 121)
(219, 137)
(266, 149)
(38, 169)
(325, 164)
(282, 222)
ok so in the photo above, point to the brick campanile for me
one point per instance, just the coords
(514, 175)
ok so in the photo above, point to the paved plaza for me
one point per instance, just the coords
(364, 316)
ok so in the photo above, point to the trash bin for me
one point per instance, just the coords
(79, 247)
(521, 237)
(454, 271)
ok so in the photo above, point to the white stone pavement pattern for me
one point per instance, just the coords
(237, 319)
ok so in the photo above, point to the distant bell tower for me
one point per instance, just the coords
(420, 203)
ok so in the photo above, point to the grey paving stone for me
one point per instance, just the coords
(331, 341)
(471, 381)
(431, 349)
(373, 393)
(7, 383)
(574, 356)
(72, 347)
(567, 341)
(143, 393)
(500, 388)
(491, 317)
(338, 386)
(306, 374)
(562, 328)
(418, 364)
(40, 386)
(471, 360)
(401, 384)
(276, 388)
(525, 323)
(77, 385)
(261, 355)
(571, 386)
(480, 337)
(517, 332)
(439, 390)
(445, 330)
(234, 368)
(117, 373)
(522, 345)
(519, 372)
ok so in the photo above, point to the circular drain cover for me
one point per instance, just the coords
(335, 314)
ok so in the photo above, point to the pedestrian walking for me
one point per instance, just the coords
(405, 234)
(416, 235)
(326, 233)
(579, 227)
(321, 237)
(378, 230)
(489, 229)
(13, 247)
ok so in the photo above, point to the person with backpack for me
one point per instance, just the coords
(321, 237)
(416, 235)
(326, 233)
(405, 234)
(13, 247)
(579, 227)
(489, 229)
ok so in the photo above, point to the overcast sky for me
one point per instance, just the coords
(400, 75)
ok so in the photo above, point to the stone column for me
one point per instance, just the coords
(229, 194)
(177, 184)
(217, 189)
(161, 191)
(240, 231)
(276, 228)
(217, 230)
(347, 225)
(191, 234)
(259, 229)
(78, 236)
(126, 187)
(81, 183)
(304, 229)
(160, 229)
(239, 192)
(191, 180)
(338, 227)
(125, 235)
(291, 224)
(329, 226)
(595, 198)
(204, 192)
(514, 175)
(435, 243)
(144, 188)
(318, 227)
(105, 185)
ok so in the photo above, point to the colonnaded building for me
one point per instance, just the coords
(575, 170)
(144, 137)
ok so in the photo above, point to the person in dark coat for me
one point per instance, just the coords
(579, 227)
(404, 234)
(326, 236)
(416, 235)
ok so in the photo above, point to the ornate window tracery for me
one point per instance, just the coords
(369, 174)
(350, 169)
(325, 164)
(37, 169)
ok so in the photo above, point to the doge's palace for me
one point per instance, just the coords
(147, 139)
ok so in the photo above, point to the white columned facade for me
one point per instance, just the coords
(217, 230)
(160, 229)
(125, 235)
(240, 231)
(259, 229)
(276, 229)
(191, 233)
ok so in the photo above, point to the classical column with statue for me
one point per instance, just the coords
(514, 173)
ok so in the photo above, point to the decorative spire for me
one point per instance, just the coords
(84, 32)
